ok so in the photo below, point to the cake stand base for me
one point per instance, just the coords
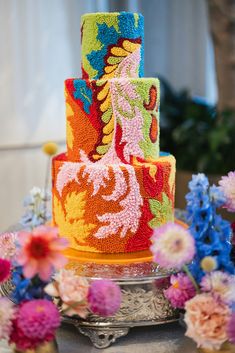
(143, 301)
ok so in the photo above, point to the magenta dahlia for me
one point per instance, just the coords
(180, 291)
(36, 323)
(5, 270)
(104, 297)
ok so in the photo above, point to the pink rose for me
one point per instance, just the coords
(207, 321)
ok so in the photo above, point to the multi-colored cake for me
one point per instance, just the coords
(112, 187)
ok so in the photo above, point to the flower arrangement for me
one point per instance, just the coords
(30, 318)
(203, 285)
(43, 289)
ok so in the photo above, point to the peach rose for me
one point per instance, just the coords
(207, 320)
(72, 290)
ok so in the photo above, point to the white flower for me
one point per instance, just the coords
(173, 246)
(72, 290)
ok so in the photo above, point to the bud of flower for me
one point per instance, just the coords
(50, 148)
(208, 264)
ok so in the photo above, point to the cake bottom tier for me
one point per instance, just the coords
(112, 208)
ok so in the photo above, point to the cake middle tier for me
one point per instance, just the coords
(112, 208)
(107, 117)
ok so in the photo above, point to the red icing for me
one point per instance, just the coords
(141, 239)
(153, 129)
(153, 186)
(152, 99)
(118, 145)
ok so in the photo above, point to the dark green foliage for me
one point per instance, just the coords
(201, 139)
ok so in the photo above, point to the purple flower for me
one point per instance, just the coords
(180, 291)
(221, 285)
(227, 184)
(217, 196)
(199, 183)
(104, 297)
(231, 328)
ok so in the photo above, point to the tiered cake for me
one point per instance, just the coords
(112, 187)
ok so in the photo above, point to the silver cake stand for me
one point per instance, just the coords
(143, 301)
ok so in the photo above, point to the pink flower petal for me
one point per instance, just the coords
(58, 260)
(30, 269)
(59, 244)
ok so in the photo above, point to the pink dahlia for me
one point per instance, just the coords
(8, 247)
(41, 252)
(231, 328)
(5, 270)
(72, 290)
(207, 320)
(104, 297)
(7, 314)
(36, 323)
(227, 185)
(173, 246)
(220, 284)
(180, 291)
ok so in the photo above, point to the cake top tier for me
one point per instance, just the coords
(112, 45)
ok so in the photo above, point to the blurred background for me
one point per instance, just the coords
(40, 48)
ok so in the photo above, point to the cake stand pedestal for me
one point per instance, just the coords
(143, 301)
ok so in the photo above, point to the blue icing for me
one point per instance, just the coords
(106, 35)
(84, 93)
(129, 28)
(164, 154)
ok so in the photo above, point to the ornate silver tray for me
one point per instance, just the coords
(143, 301)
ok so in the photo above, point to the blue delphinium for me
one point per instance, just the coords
(36, 212)
(27, 289)
(211, 232)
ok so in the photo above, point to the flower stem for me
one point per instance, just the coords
(190, 276)
(46, 185)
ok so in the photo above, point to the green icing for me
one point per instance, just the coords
(113, 60)
(107, 115)
(136, 17)
(151, 150)
(162, 211)
(103, 149)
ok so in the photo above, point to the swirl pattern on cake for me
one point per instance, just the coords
(112, 187)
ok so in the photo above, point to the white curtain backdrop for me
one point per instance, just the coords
(40, 47)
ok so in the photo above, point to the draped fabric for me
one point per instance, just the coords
(40, 47)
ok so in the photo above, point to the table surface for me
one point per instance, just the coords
(167, 338)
